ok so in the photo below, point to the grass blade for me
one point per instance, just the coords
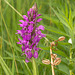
(5, 67)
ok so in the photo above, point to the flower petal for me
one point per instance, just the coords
(26, 61)
(38, 20)
(41, 27)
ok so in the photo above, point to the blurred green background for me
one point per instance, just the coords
(58, 19)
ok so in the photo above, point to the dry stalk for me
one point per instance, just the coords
(52, 66)
(54, 59)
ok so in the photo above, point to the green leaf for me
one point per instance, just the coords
(60, 53)
(61, 18)
(63, 68)
(52, 37)
(53, 29)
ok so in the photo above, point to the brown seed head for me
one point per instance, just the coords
(53, 56)
(61, 38)
(46, 61)
(52, 43)
(57, 61)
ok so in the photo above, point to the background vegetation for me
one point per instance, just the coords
(58, 19)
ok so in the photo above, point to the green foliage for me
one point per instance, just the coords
(58, 19)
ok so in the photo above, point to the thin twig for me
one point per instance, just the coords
(13, 8)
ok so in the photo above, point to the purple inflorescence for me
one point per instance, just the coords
(30, 33)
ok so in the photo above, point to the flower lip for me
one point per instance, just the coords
(21, 21)
(41, 27)
(25, 17)
(26, 61)
(38, 20)
(38, 15)
(35, 55)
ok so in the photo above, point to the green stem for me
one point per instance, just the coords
(34, 66)
(72, 38)
(70, 60)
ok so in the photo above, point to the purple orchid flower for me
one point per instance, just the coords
(30, 33)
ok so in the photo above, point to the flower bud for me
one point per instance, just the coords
(61, 38)
(52, 43)
(34, 7)
(46, 61)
